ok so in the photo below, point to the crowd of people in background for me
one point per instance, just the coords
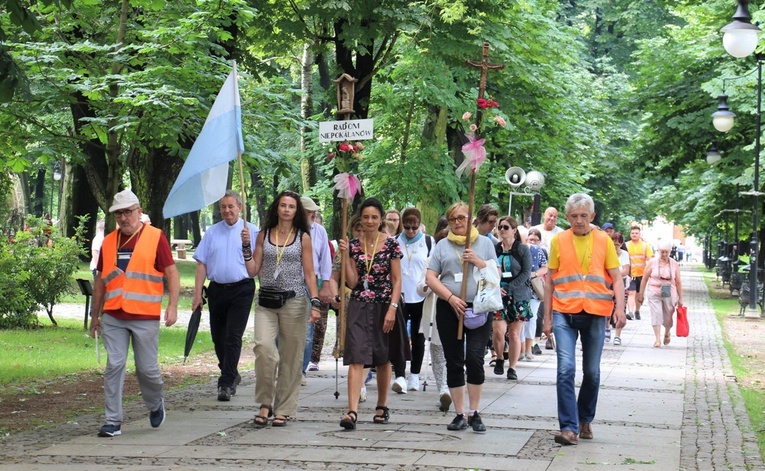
(404, 296)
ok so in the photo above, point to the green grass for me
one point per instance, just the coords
(49, 352)
(754, 398)
(186, 268)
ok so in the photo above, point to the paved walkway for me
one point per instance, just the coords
(674, 408)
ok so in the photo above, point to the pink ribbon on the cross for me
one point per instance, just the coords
(347, 185)
(475, 155)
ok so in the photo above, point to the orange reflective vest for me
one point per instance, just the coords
(137, 290)
(575, 292)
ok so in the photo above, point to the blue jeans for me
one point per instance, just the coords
(308, 343)
(567, 327)
(309, 331)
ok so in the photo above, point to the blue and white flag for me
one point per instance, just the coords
(202, 180)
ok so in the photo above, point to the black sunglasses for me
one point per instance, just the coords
(504, 228)
(411, 228)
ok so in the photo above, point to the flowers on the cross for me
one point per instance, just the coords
(345, 156)
(483, 103)
(345, 153)
(474, 151)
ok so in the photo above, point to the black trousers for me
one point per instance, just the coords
(412, 313)
(230, 306)
(462, 356)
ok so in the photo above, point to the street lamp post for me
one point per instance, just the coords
(740, 39)
(55, 178)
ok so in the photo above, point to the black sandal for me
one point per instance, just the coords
(279, 421)
(382, 418)
(348, 422)
(260, 420)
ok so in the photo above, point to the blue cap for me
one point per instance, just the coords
(607, 225)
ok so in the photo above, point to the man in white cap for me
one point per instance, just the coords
(224, 256)
(322, 262)
(132, 265)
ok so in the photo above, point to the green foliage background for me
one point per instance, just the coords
(610, 98)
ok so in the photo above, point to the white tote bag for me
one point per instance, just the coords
(489, 297)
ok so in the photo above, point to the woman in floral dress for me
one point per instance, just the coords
(375, 330)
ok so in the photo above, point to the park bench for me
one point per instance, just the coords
(180, 247)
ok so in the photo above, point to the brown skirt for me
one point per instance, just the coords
(365, 341)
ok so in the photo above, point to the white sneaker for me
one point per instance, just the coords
(529, 357)
(399, 385)
(313, 366)
(363, 396)
(414, 382)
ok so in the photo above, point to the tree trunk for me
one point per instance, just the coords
(261, 198)
(151, 179)
(434, 137)
(195, 228)
(39, 203)
(307, 166)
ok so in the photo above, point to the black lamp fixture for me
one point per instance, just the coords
(740, 39)
(713, 155)
(722, 119)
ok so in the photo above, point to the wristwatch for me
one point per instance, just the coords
(394, 305)
(315, 302)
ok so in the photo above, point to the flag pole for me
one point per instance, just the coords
(244, 194)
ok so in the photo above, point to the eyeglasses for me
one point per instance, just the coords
(534, 239)
(411, 228)
(124, 212)
(504, 228)
(460, 218)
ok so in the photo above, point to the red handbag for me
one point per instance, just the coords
(682, 321)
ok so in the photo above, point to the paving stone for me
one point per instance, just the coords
(670, 408)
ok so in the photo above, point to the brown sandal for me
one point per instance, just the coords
(262, 420)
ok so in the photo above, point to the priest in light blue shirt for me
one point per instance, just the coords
(224, 257)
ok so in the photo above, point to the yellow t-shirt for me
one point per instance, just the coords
(637, 252)
(582, 245)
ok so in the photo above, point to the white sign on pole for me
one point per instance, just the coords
(351, 130)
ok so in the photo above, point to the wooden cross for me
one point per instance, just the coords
(484, 65)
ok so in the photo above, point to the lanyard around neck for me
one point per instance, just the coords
(279, 255)
(120, 245)
(369, 260)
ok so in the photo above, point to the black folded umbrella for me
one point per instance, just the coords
(191, 330)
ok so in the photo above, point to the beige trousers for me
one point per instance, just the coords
(278, 370)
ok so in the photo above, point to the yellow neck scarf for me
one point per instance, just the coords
(460, 240)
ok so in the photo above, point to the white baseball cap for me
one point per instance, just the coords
(123, 200)
(309, 204)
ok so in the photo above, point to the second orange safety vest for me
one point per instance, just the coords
(576, 292)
